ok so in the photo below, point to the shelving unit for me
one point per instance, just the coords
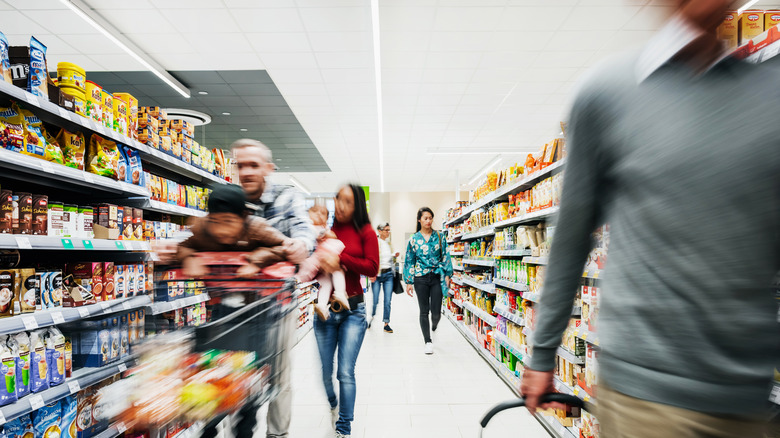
(479, 262)
(487, 287)
(509, 315)
(510, 285)
(169, 306)
(481, 314)
(49, 243)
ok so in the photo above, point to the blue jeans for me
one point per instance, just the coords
(346, 331)
(384, 281)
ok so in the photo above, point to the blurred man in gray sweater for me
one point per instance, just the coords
(678, 149)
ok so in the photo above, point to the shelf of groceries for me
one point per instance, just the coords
(20, 241)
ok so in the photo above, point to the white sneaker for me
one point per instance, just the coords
(429, 348)
(334, 416)
(341, 435)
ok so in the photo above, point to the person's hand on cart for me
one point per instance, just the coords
(296, 250)
(534, 385)
(193, 267)
(248, 269)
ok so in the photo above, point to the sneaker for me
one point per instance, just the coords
(341, 435)
(429, 348)
(334, 416)
(388, 329)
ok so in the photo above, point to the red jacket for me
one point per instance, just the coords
(360, 255)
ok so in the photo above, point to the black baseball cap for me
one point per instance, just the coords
(227, 198)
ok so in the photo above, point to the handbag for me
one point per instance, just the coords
(444, 288)
(398, 287)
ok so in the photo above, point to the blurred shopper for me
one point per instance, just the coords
(427, 264)
(283, 208)
(346, 329)
(384, 281)
(678, 150)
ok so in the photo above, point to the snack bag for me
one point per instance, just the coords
(40, 370)
(12, 126)
(46, 421)
(21, 427)
(21, 342)
(53, 152)
(8, 368)
(36, 79)
(135, 169)
(121, 170)
(36, 142)
(72, 148)
(102, 157)
(5, 62)
(55, 356)
(68, 420)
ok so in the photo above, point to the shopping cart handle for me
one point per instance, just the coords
(547, 398)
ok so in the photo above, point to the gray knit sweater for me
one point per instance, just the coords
(686, 170)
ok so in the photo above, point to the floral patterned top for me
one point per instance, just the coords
(424, 257)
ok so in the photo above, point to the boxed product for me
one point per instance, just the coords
(138, 224)
(728, 31)
(119, 281)
(127, 223)
(8, 291)
(70, 214)
(124, 335)
(94, 345)
(25, 203)
(74, 294)
(751, 25)
(115, 339)
(6, 211)
(55, 356)
(109, 283)
(29, 291)
(39, 377)
(84, 224)
(90, 276)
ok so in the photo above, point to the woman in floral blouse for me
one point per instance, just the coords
(427, 263)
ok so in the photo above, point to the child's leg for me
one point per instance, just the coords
(340, 288)
(323, 296)
(307, 270)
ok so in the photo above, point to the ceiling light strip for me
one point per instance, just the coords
(298, 184)
(101, 25)
(378, 78)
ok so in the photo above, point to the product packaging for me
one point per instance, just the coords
(29, 290)
(6, 211)
(21, 342)
(74, 294)
(102, 157)
(13, 124)
(7, 291)
(55, 225)
(119, 281)
(69, 406)
(8, 369)
(127, 223)
(70, 214)
(21, 427)
(25, 213)
(5, 62)
(39, 377)
(751, 25)
(55, 356)
(38, 75)
(109, 283)
(73, 148)
(121, 170)
(40, 215)
(46, 421)
(135, 169)
(90, 276)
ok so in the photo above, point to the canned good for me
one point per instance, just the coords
(71, 75)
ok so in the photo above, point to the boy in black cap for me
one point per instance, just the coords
(230, 227)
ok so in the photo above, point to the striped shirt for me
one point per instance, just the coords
(283, 208)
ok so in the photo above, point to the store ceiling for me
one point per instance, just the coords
(487, 76)
(250, 97)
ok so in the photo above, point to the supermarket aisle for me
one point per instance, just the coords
(404, 393)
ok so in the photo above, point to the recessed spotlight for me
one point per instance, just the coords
(203, 92)
(244, 130)
(225, 114)
(286, 167)
(278, 159)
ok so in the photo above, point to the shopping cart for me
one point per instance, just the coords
(566, 399)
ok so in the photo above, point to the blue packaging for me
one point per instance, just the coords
(68, 417)
(36, 79)
(39, 375)
(19, 427)
(8, 368)
(55, 356)
(5, 62)
(21, 342)
(46, 421)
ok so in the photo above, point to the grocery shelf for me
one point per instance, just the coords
(536, 260)
(458, 303)
(457, 280)
(162, 207)
(307, 301)
(503, 311)
(576, 391)
(522, 287)
(592, 273)
(457, 253)
(304, 330)
(774, 396)
(487, 287)
(479, 262)
(528, 217)
(46, 318)
(512, 253)
(305, 285)
(556, 427)
(569, 356)
(479, 233)
(82, 378)
(587, 335)
(511, 188)
(454, 239)
(457, 268)
(509, 344)
(167, 306)
(532, 296)
(113, 431)
(481, 314)
(57, 175)
(26, 241)
(51, 113)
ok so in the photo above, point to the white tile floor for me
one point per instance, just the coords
(404, 393)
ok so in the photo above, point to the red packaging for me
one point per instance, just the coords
(109, 280)
(127, 220)
(138, 224)
(90, 276)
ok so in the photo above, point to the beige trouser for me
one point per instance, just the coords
(279, 410)
(622, 416)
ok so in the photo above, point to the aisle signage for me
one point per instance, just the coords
(67, 243)
(119, 245)
(122, 368)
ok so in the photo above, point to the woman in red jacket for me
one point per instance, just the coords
(345, 330)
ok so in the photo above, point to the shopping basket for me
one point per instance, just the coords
(520, 402)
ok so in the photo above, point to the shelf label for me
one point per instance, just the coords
(29, 322)
(23, 242)
(67, 243)
(119, 245)
(122, 368)
(121, 428)
(2, 418)
(104, 305)
(74, 386)
(57, 318)
(130, 246)
(84, 312)
(47, 167)
(36, 401)
(88, 244)
(31, 99)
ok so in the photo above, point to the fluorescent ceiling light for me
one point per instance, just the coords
(484, 170)
(378, 79)
(298, 184)
(95, 20)
(746, 5)
(475, 153)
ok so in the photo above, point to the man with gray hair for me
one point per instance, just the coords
(283, 208)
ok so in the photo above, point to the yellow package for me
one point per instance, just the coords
(72, 146)
(12, 124)
(102, 157)
(53, 151)
(33, 134)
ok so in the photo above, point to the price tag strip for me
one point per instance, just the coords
(36, 402)
(84, 312)
(57, 318)
(23, 242)
(29, 322)
(122, 368)
(74, 386)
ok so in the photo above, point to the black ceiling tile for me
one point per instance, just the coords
(194, 78)
(273, 120)
(272, 110)
(104, 77)
(218, 90)
(255, 89)
(233, 110)
(287, 127)
(139, 77)
(247, 122)
(212, 101)
(264, 100)
(245, 77)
